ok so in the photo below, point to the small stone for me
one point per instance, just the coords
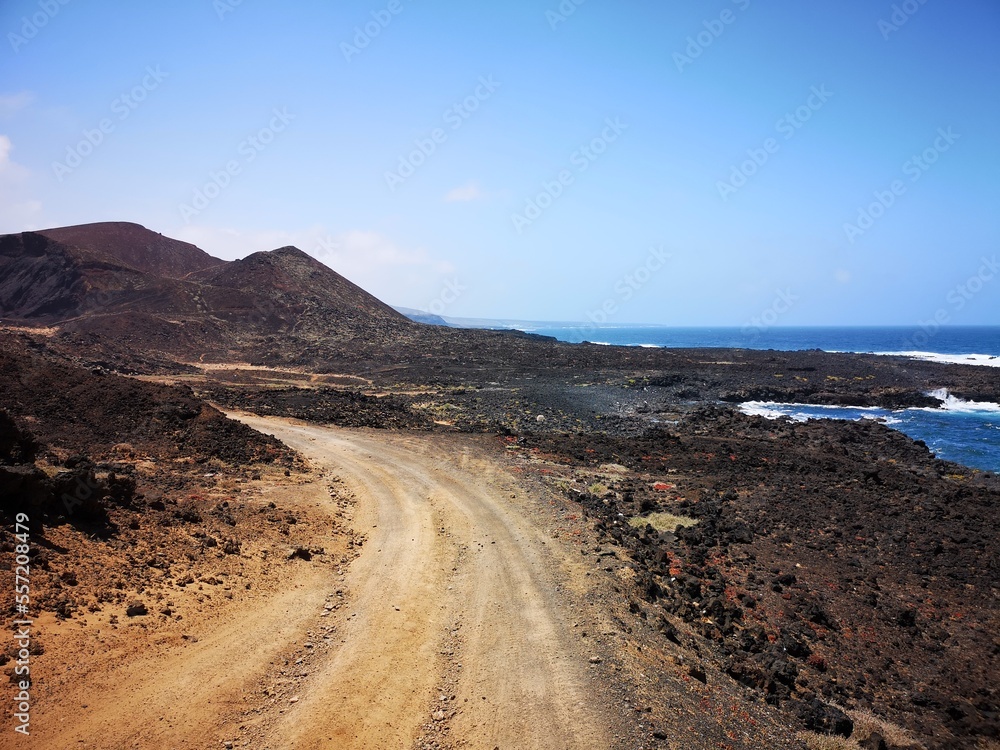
(596, 660)
(438, 715)
(136, 609)
(294, 699)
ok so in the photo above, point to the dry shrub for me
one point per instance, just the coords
(866, 723)
(662, 521)
(816, 741)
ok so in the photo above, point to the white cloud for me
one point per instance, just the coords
(19, 215)
(13, 103)
(12, 174)
(469, 192)
(18, 212)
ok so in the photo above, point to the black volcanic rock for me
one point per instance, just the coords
(87, 413)
(869, 577)
(16, 445)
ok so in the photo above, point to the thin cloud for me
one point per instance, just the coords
(18, 210)
(13, 174)
(5, 147)
(10, 104)
(469, 192)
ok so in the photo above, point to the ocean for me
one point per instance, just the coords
(948, 341)
(964, 432)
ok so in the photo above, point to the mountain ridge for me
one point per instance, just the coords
(129, 286)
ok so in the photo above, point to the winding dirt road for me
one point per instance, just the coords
(448, 630)
(453, 632)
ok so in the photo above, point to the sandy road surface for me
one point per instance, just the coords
(450, 629)
(452, 597)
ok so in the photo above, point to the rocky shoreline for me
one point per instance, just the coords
(825, 564)
(831, 567)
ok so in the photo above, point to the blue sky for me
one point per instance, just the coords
(690, 163)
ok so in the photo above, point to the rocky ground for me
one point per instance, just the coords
(827, 564)
(829, 569)
(152, 518)
(837, 563)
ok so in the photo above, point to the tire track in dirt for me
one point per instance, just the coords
(449, 566)
(448, 630)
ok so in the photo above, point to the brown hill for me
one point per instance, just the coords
(122, 288)
(301, 287)
(134, 246)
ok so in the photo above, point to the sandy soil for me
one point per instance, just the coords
(454, 634)
(451, 629)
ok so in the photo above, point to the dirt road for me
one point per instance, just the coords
(451, 598)
(449, 630)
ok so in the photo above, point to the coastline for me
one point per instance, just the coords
(861, 522)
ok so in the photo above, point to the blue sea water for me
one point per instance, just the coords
(964, 432)
(949, 340)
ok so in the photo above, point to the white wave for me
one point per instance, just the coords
(769, 410)
(806, 412)
(979, 360)
(883, 418)
(955, 404)
(649, 346)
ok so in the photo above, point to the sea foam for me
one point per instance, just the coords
(955, 404)
(978, 360)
